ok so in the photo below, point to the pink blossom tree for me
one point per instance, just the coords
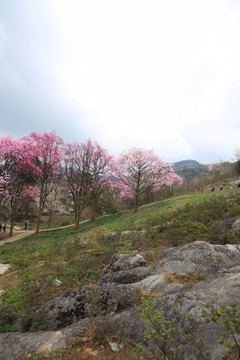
(18, 175)
(101, 174)
(48, 151)
(77, 172)
(140, 170)
(88, 174)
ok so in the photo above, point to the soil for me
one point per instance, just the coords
(91, 346)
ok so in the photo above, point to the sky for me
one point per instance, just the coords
(154, 74)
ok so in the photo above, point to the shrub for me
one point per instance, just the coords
(228, 316)
(65, 222)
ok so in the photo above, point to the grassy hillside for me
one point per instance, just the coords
(76, 257)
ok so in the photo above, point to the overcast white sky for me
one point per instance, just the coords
(156, 74)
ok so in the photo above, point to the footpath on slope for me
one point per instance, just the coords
(22, 234)
(25, 233)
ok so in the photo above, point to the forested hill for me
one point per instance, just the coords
(184, 162)
(190, 168)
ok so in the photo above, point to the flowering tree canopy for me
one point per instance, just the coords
(77, 165)
(101, 173)
(88, 174)
(140, 170)
(18, 175)
(33, 167)
(48, 151)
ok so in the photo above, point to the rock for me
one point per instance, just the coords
(83, 244)
(126, 276)
(236, 225)
(128, 232)
(125, 232)
(234, 182)
(114, 347)
(57, 282)
(216, 273)
(125, 262)
(89, 301)
(110, 235)
(37, 284)
(14, 345)
(198, 257)
(4, 268)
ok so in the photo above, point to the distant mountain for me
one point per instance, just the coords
(190, 169)
(184, 162)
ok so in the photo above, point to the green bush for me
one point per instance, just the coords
(6, 319)
(228, 316)
(65, 222)
(167, 334)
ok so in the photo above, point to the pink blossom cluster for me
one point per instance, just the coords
(17, 167)
(139, 170)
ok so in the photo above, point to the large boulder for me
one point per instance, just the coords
(14, 345)
(89, 301)
(236, 225)
(189, 276)
(125, 262)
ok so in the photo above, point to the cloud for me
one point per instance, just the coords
(156, 74)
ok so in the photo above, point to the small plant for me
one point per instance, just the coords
(37, 356)
(163, 332)
(198, 271)
(229, 316)
(60, 351)
(168, 334)
(138, 351)
(6, 319)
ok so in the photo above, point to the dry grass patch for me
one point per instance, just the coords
(183, 279)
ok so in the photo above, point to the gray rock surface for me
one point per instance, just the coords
(4, 268)
(236, 225)
(217, 268)
(89, 301)
(56, 282)
(125, 262)
(198, 257)
(13, 345)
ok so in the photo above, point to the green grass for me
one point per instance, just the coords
(59, 254)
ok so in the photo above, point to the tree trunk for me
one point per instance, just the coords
(77, 221)
(136, 203)
(11, 227)
(38, 221)
(77, 216)
(41, 203)
(50, 219)
(93, 217)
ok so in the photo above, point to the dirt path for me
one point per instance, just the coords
(20, 234)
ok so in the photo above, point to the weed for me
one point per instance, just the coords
(228, 316)
(161, 331)
(60, 351)
(198, 270)
(167, 334)
(6, 319)
(15, 298)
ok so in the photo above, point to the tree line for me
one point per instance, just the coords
(34, 166)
